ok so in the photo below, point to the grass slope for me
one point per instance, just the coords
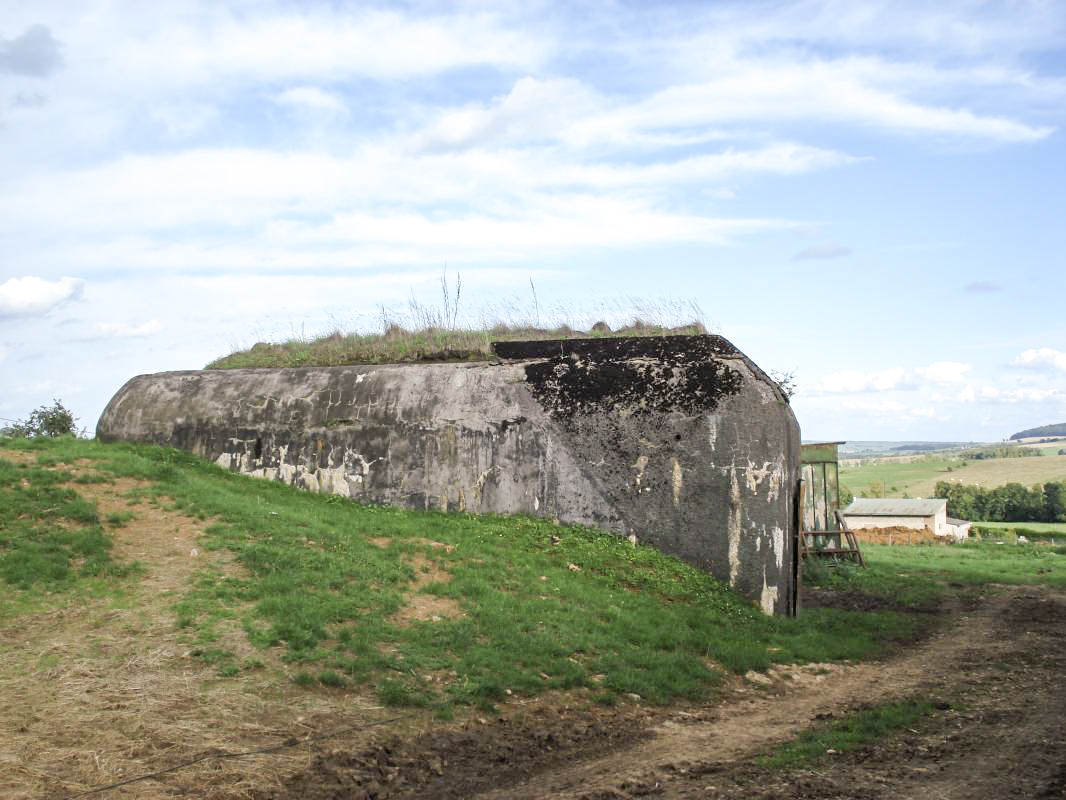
(518, 605)
(432, 609)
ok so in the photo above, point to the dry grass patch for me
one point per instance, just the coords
(95, 690)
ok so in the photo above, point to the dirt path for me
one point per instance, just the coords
(996, 674)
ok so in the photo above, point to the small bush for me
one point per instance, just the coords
(45, 421)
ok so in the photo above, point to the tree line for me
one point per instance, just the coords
(1010, 503)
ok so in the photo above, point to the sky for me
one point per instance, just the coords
(867, 196)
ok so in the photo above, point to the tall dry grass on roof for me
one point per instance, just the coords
(427, 333)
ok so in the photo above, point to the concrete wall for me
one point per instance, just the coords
(682, 442)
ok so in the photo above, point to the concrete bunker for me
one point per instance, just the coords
(681, 441)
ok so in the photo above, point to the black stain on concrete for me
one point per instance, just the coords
(639, 375)
(666, 348)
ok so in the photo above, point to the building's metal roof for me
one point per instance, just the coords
(953, 521)
(893, 507)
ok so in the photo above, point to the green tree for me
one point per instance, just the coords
(51, 421)
(962, 499)
(1055, 502)
(845, 496)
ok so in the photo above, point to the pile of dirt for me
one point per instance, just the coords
(898, 535)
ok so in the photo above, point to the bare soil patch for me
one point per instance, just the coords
(423, 607)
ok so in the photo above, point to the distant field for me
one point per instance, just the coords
(918, 478)
(1039, 527)
(1050, 448)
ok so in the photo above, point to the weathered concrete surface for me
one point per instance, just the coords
(681, 441)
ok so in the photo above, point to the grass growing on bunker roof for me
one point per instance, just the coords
(424, 332)
(434, 609)
(397, 345)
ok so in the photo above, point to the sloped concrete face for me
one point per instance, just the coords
(680, 441)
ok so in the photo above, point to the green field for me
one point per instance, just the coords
(1050, 449)
(1040, 527)
(918, 478)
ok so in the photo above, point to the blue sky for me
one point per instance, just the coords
(867, 194)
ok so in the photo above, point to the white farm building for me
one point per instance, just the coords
(931, 515)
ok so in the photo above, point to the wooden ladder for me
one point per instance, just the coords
(849, 545)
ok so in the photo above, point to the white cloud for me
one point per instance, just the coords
(824, 250)
(1023, 395)
(375, 206)
(1042, 358)
(900, 26)
(124, 330)
(534, 109)
(312, 98)
(874, 406)
(822, 91)
(941, 373)
(944, 373)
(273, 45)
(853, 381)
(32, 296)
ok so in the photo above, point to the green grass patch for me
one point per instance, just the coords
(859, 728)
(119, 519)
(919, 577)
(973, 562)
(1048, 532)
(51, 538)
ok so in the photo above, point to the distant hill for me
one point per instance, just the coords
(1046, 430)
(863, 449)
